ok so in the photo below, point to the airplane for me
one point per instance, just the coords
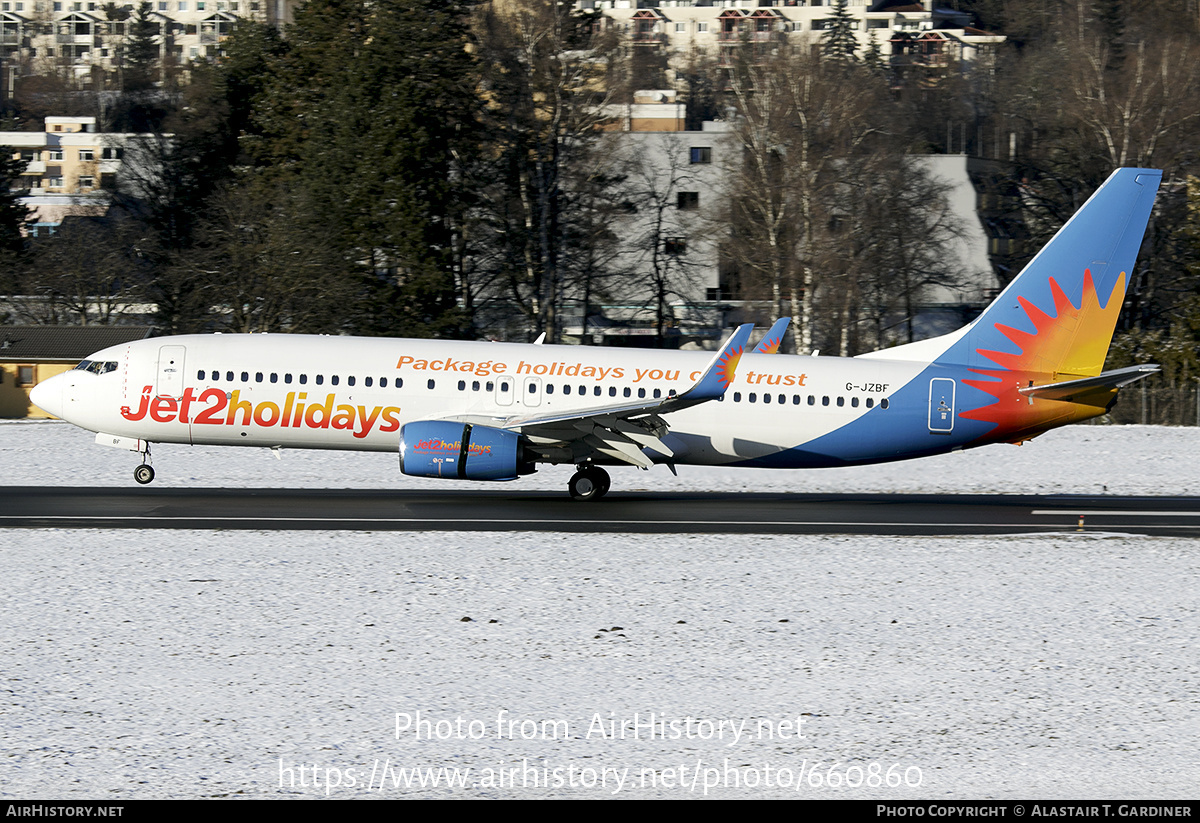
(1032, 361)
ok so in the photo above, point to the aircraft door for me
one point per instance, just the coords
(532, 396)
(170, 371)
(941, 405)
(504, 390)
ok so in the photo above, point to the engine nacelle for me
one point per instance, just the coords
(461, 451)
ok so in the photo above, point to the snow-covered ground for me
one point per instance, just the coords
(276, 664)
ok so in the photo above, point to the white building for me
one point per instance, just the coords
(87, 38)
(69, 168)
(911, 34)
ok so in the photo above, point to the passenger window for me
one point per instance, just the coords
(766, 398)
(274, 377)
(854, 402)
(491, 386)
(462, 385)
(475, 385)
(870, 402)
(841, 402)
(737, 397)
(795, 400)
(334, 380)
(258, 377)
(287, 377)
(825, 401)
(199, 374)
(641, 392)
(883, 404)
(303, 379)
(583, 389)
(657, 393)
(549, 388)
(812, 401)
(597, 391)
(612, 391)
(567, 389)
(383, 382)
(216, 375)
(782, 399)
(753, 397)
(368, 382)
(503, 386)
(229, 376)
(320, 379)
(433, 383)
(628, 392)
(245, 377)
(349, 381)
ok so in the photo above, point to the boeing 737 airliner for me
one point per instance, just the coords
(1033, 360)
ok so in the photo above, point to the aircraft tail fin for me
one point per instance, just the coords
(1058, 315)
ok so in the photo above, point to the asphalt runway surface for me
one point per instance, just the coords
(619, 512)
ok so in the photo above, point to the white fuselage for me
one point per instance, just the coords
(322, 392)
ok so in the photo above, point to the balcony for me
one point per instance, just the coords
(751, 36)
(75, 40)
(10, 39)
(648, 38)
(37, 167)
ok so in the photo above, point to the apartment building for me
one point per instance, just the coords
(910, 34)
(68, 168)
(89, 38)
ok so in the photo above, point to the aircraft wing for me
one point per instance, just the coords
(621, 430)
(1091, 391)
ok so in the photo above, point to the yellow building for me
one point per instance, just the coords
(31, 354)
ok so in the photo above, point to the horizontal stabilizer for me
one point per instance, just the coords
(1100, 386)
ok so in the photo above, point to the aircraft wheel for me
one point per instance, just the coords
(143, 474)
(589, 483)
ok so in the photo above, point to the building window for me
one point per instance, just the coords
(52, 183)
(701, 154)
(819, 25)
(55, 154)
(25, 375)
(688, 200)
(87, 154)
(87, 182)
(675, 245)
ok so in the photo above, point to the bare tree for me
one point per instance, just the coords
(545, 77)
(665, 230)
(801, 121)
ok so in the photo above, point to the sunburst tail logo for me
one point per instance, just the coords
(769, 345)
(727, 367)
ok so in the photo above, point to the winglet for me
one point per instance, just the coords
(773, 338)
(721, 369)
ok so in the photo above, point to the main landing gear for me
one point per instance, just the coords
(144, 473)
(589, 483)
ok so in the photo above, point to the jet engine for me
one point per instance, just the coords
(433, 448)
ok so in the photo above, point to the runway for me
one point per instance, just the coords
(620, 512)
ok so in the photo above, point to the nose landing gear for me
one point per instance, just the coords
(144, 473)
(589, 483)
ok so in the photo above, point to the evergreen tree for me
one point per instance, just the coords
(368, 115)
(14, 215)
(839, 42)
(141, 53)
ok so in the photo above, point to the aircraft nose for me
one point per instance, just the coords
(48, 395)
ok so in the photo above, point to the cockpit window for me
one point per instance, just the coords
(97, 366)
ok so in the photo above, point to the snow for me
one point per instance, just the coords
(178, 664)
